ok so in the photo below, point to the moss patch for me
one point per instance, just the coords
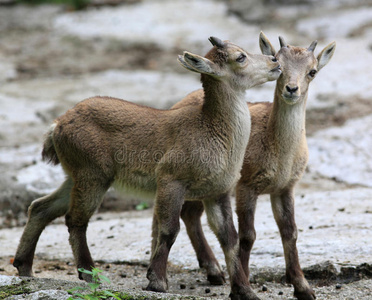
(11, 290)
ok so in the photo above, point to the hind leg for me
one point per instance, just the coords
(191, 214)
(41, 212)
(86, 196)
(246, 201)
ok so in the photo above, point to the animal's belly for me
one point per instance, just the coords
(212, 186)
(136, 183)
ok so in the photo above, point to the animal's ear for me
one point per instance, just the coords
(265, 45)
(325, 56)
(184, 64)
(198, 64)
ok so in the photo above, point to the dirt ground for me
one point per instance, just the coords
(132, 277)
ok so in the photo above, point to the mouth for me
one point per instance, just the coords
(290, 98)
(275, 73)
(277, 69)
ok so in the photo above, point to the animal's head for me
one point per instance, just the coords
(229, 63)
(299, 66)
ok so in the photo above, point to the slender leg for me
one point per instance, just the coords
(41, 212)
(168, 205)
(86, 196)
(246, 200)
(155, 232)
(220, 220)
(191, 214)
(283, 209)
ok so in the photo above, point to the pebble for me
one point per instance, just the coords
(280, 293)
(207, 290)
(264, 288)
(338, 286)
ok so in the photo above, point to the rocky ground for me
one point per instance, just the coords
(51, 58)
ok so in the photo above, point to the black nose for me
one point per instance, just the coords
(291, 89)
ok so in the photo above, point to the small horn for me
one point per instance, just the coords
(216, 42)
(282, 42)
(312, 46)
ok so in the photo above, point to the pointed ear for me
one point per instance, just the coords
(325, 56)
(184, 64)
(265, 45)
(198, 64)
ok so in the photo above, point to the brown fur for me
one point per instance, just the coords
(194, 152)
(275, 158)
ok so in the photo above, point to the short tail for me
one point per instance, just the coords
(49, 153)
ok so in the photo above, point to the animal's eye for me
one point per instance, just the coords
(241, 58)
(312, 73)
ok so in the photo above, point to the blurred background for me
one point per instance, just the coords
(56, 53)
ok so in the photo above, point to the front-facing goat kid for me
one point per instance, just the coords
(197, 153)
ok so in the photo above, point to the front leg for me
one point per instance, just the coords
(221, 221)
(191, 214)
(283, 209)
(167, 210)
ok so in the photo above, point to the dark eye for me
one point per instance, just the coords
(241, 58)
(312, 73)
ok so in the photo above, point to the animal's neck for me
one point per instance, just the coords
(222, 101)
(226, 113)
(287, 123)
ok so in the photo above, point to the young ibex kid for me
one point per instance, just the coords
(191, 153)
(275, 160)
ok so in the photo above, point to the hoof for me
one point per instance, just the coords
(245, 293)
(216, 279)
(155, 288)
(244, 297)
(305, 295)
(85, 277)
(23, 269)
(156, 284)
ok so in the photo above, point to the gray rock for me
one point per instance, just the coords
(42, 295)
(9, 280)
